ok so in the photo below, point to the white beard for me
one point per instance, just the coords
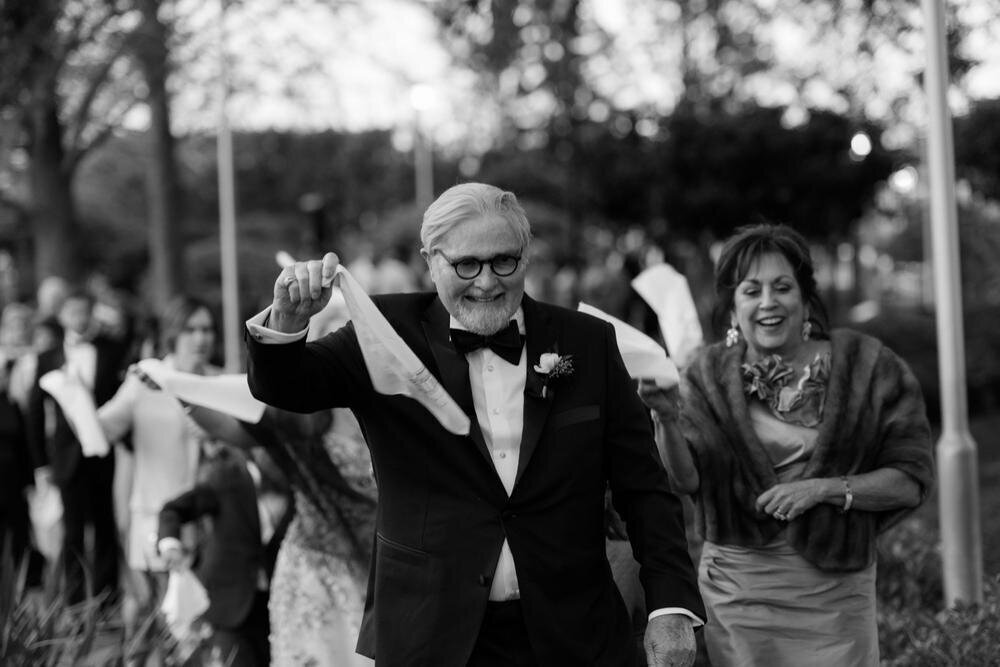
(484, 319)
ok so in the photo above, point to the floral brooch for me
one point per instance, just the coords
(551, 366)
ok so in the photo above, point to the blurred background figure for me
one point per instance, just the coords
(249, 504)
(15, 480)
(159, 448)
(51, 292)
(85, 482)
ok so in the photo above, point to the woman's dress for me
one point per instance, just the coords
(165, 446)
(320, 577)
(768, 605)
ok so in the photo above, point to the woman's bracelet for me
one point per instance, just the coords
(848, 494)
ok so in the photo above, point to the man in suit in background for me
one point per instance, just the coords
(250, 506)
(490, 547)
(85, 483)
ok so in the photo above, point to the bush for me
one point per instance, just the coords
(41, 628)
(966, 635)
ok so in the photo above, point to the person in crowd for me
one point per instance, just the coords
(84, 482)
(799, 447)
(158, 448)
(16, 338)
(318, 587)
(490, 547)
(49, 297)
(249, 504)
(15, 479)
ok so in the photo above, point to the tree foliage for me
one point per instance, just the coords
(63, 85)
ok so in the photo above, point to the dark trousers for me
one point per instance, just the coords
(246, 645)
(503, 638)
(88, 500)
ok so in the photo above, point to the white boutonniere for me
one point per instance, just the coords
(551, 366)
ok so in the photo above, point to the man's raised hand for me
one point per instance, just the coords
(300, 291)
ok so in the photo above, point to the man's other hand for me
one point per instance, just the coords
(670, 641)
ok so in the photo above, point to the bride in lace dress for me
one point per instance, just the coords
(318, 589)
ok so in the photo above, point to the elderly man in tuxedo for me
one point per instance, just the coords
(490, 547)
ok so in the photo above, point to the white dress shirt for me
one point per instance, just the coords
(498, 395)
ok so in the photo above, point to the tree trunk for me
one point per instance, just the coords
(165, 277)
(55, 229)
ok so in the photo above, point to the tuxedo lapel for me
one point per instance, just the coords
(540, 338)
(453, 369)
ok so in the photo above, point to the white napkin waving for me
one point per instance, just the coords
(78, 407)
(668, 294)
(392, 365)
(227, 393)
(183, 602)
(643, 356)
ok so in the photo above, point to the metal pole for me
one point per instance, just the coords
(961, 542)
(423, 165)
(227, 214)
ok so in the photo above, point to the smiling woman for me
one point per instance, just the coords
(799, 447)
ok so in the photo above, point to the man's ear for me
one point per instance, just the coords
(427, 258)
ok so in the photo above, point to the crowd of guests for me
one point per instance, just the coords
(797, 443)
(179, 487)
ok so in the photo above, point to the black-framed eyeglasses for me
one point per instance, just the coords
(468, 268)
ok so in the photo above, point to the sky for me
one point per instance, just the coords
(379, 64)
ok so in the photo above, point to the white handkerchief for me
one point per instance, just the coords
(643, 356)
(392, 365)
(78, 407)
(228, 393)
(183, 602)
(667, 293)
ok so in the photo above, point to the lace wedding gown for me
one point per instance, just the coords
(321, 573)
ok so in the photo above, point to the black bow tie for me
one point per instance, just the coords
(507, 342)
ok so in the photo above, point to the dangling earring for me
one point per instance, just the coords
(807, 328)
(732, 335)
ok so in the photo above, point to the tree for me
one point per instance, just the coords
(150, 49)
(60, 61)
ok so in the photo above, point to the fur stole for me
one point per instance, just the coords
(874, 418)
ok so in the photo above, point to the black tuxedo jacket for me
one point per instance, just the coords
(61, 451)
(443, 513)
(232, 556)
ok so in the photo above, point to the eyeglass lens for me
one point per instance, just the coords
(501, 265)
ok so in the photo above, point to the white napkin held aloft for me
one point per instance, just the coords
(668, 294)
(643, 356)
(78, 407)
(393, 367)
(227, 393)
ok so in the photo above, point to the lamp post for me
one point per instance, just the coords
(421, 98)
(961, 541)
(227, 212)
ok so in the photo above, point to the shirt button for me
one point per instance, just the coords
(496, 411)
(490, 368)
(502, 455)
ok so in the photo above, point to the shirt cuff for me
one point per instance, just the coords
(257, 326)
(168, 543)
(695, 621)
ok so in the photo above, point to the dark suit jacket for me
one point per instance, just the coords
(62, 450)
(443, 513)
(233, 554)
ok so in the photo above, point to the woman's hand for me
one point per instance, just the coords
(665, 402)
(790, 500)
(300, 291)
